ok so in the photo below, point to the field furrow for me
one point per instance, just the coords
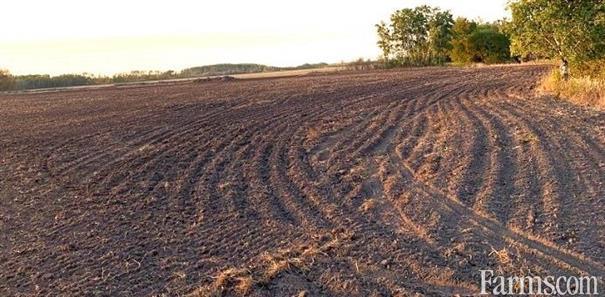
(380, 183)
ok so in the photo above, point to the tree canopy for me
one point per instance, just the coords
(462, 49)
(568, 30)
(426, 36)
(417, 36)
(474, 42)
(489, 45)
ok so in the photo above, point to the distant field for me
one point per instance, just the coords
(382, 183)
(287, 73)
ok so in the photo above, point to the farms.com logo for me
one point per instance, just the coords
(497, 285)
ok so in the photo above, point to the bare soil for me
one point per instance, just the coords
(379, 183)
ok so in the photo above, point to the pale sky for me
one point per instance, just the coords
(111, 36)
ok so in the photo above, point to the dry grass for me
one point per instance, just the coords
(239, 279)
(528, 137)
(313, 134)
(584, 90)
(502, 256)
(368, 205)
(269, 266)
(245, 285)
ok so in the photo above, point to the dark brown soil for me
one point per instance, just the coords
(359, 184)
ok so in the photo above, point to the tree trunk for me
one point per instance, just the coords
(564, 68)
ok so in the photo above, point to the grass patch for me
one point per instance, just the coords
(585, 89)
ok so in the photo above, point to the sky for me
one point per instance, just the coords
(113, 36)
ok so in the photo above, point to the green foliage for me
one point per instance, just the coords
(427, 36)
(7, 81)
(440, 35)
(384, 39)
(568, 30)
(474, 42)
(419, 36)
(462, 48)
(489, 46)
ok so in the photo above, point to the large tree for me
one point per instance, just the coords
(419, 36)
(462, 49)
(474, 42)
(569, 30)
(489, 45)
(384, 40)
(440, 34)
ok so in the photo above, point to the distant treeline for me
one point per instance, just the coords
(227, 69)
(10, 82)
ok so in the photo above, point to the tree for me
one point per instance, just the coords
(569, 30)
(7, 81)
(488, 45)
(462, 49)
(440, 35)
(474, 42)
(417, 36)
(384, 40)
(409, 34)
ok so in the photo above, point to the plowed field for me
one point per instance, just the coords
(351, 184)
